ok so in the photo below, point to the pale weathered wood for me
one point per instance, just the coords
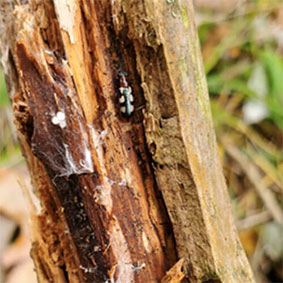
(181, 138)
(99, 176)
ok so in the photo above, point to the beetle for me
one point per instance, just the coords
(126, 98)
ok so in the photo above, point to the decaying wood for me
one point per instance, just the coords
(176, 274)
(121, 200)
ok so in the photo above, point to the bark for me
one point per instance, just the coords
(122, 200)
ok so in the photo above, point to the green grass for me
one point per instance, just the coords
(4, 100)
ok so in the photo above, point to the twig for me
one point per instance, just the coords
(255, 177)
(253, 220)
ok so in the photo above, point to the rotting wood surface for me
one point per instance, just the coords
(121, 200)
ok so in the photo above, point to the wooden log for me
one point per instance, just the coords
(122, 200)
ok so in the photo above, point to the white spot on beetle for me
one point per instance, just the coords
(123, 109)
(122, 99)
(132, 108)
(131, 98)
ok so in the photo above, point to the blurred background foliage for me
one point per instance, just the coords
(9, 150)
(242, 46)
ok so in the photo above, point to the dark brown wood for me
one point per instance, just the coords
(121, 200)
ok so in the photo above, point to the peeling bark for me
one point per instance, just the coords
(121, 200)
